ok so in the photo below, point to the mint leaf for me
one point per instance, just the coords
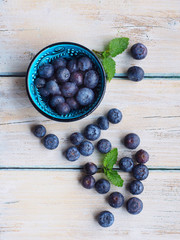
(109, 67)
(110, 159)
(114, 178)
(106, 54)
(117, 46)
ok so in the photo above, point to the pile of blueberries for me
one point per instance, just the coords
(67, 84)
(138, 52)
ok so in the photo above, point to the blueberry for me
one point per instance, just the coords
(72, 154)
(76, 138)
(142, 156)
(77, 78)
(69, 89)
(91, 79)
(103, 123)
(59, 62)
(40, 82)
(92, 132)
(46, 70)
(88, 182)
(84, 64)
(90, 168)
(63, 108)
(136, 187)
(140, 172)
(86, 148)
(102, 186)
(135, 73)
(131, 141)
(105, 219)
(52, 87)
(114, 115)
(138, 51)
(62, 75)
(104, 146)
(51, 141)
(55, 100)
(39, 131)
(126, 164)
(73, 66)
(85, 96)
(134, 205)
(43, 92)
(73, 104)
(116, 200)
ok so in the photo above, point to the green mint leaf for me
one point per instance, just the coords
(110, 159)
(114, 178)
(109, 67)
(118, 45)
(106, 54)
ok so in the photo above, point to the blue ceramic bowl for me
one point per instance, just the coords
(66, 50)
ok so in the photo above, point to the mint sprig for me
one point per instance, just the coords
(109, 160)
(115, 47)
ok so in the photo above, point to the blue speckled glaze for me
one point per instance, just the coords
(68, 51)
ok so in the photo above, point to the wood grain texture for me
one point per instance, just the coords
(53, 205)
(28, 26)
(150, 108)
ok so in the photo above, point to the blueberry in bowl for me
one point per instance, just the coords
(65, 81)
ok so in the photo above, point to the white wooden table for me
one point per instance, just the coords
(40, 193)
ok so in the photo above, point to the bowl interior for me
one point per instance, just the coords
(68, 51)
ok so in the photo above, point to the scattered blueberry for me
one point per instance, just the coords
(86, 148)
(62, 75)
(103, 123)
(51, 141)
(72, 154)
(126, 164)
(140, 172)
(114, 115)
(116, 199)
(138, 51)
(69, 89)
(63, 108)
(52, 87)
(91, 79)
(136, 187)
(90, 168)
(40, 82)
(135, 73)
(84, 64)
(88, 182)
(102, 186)
(131, 141)
(39, 131)
(55, 100)
(46, 70)
(105, 219)
(59, 62)
(85, 96)
(92, 132)
(74, 105)
(77, 78)
(104, 146)
(142, 156)
(72, 66)
(134, 205)
(76, 138)
(43, 92)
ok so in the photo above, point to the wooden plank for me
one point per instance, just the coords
(150, 108)
(53, 205)
(28, 26)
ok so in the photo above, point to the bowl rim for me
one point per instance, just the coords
(76, 118)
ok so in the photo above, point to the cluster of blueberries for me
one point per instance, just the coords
(67, 84)
(92, 132)
(138, 52)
